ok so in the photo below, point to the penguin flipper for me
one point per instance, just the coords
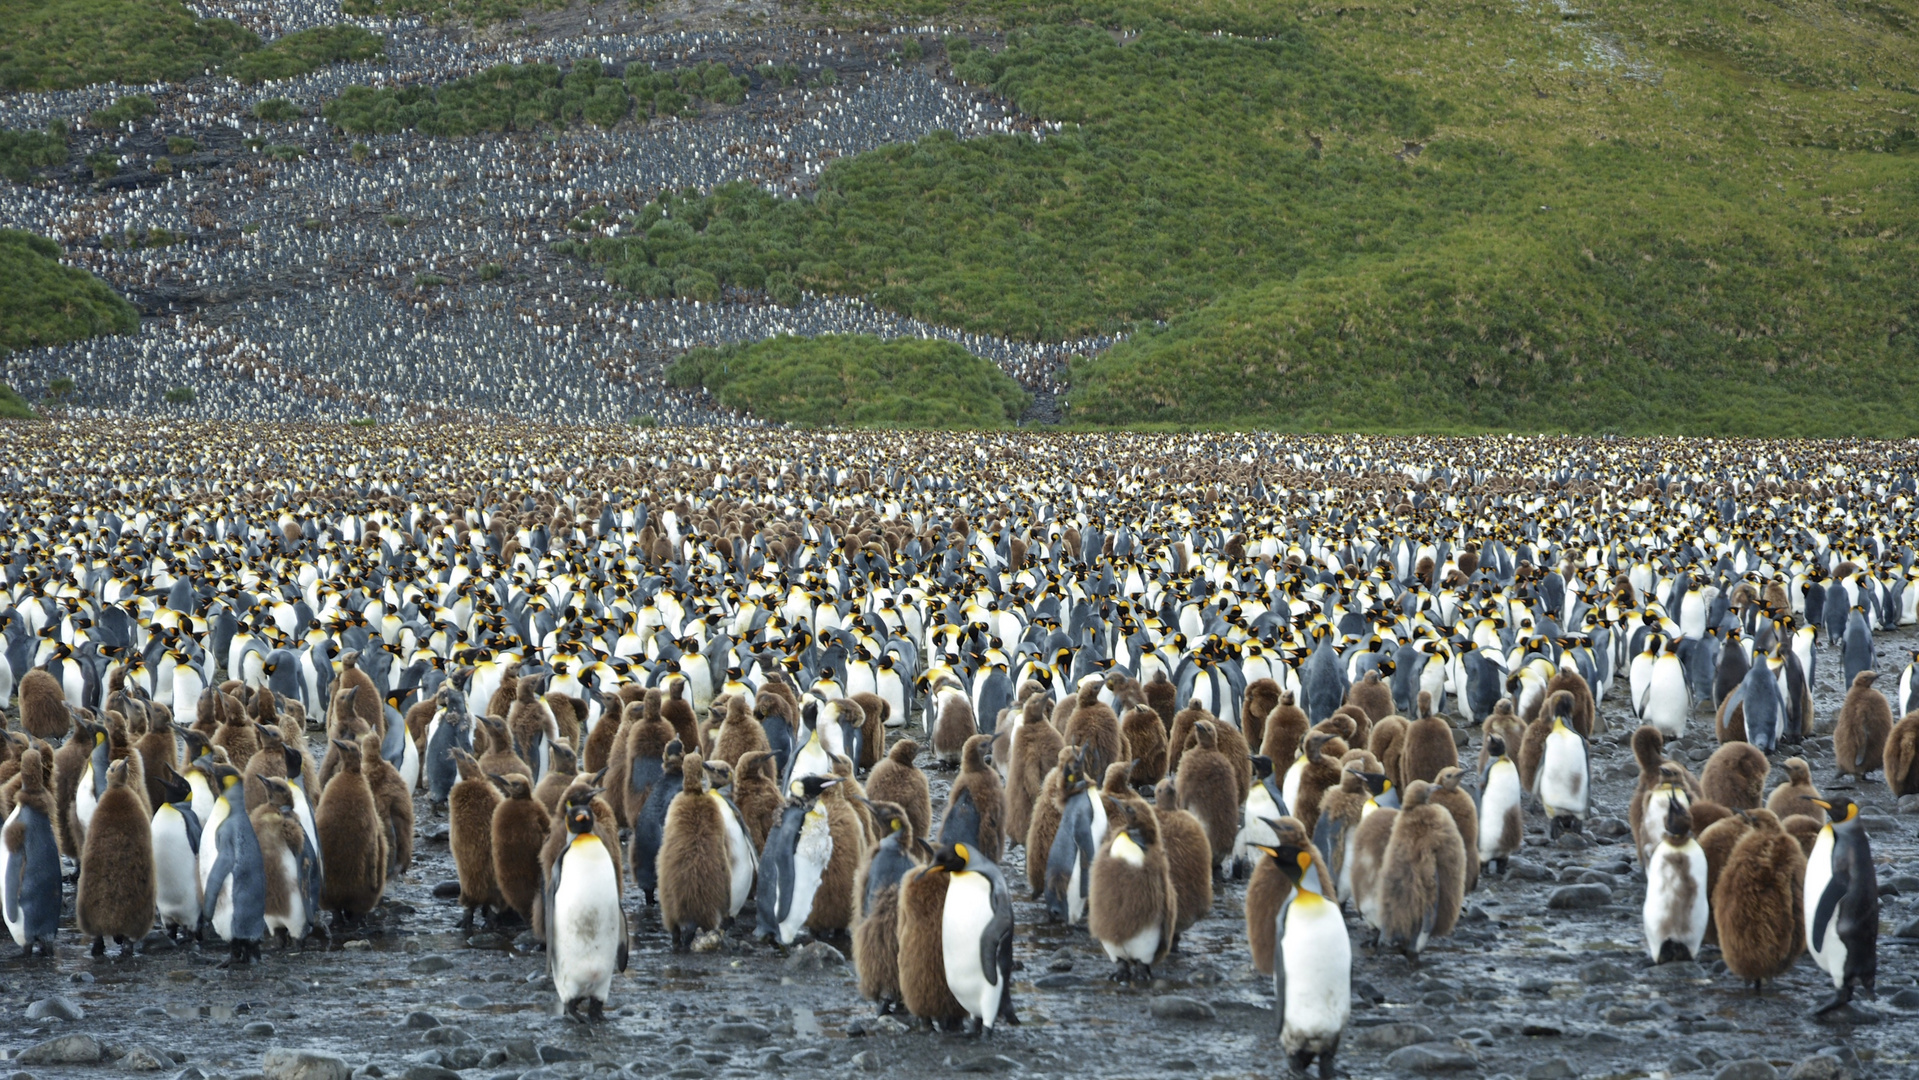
(546, 909)
(1836, 889)
(16, 880)
(192, 825)
(997, 937)
(1279, 961)
(222, 869)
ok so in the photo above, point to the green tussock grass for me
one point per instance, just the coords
(306, 51)
(1617, 216)
(63, 44)
(13, 406)
(23, 152)
(855, 381)
(43, 302)
(526, 97)
(440, 12)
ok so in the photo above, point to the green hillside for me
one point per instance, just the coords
(43, 302)
(1622, 216)
(855, 380)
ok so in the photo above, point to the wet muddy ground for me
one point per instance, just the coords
(1519, 989)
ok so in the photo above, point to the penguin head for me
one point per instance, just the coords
(1678, 818)
(1262, 767)
(1839, 809)
(579, 818)
(175, 786)
(1377, 783)
(1495, 748)
(1293, 862)
(809, 788)
(953, 858)
(226, 779)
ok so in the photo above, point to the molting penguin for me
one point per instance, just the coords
(290, 863)
(1859, 737)
(586, 935)
(116, 891)
(976, 932)
(1758, 902)
(1079, 831)
(232, 876)
(30, 861)
(1133, 908)
(1312, 965)
(1901, 755)
(1675, 912)
(1263, 804)
(922, 954)
(1465, 813)
(1842, 904)
(977, 785)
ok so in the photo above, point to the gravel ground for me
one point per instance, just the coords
(1518, 989)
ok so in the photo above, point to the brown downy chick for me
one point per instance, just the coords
(1758, 904)
(394, 803)
(1320, 773)
(1261, 697)
(1034, 749)
(756, 791)
(520, 827)
(1504, 724)
(1429, 750)
(897, 779)
(1901, 756)
(1422, 880)
(562, 765)
(469, 813)
(921, 962)
(115, 897)
(1796, 794)
(43, 705)
(693, 861)
(1207, 788)
(645, 743)
(1717, 841)
(1132, 908)
(353, 840)
(740, 732)
(1735, 776)
(978, 782)
(677, 711)
(1046, 815)
(876, 940)
(1095, 726)
(1859, 735)
(1388, 746)
(1145, 740)
(1446, 794)
(1285, 732)
(1189, 859)
(1372, 695)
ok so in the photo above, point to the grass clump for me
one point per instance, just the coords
(180, 395)
(527, 97)
(855, 380)
(306, 51)
(440, 12)
(43, 302)
(64, 44)
(22, 152)
(127, 110)
(1683, 217)
(13, 406)
(277, 110)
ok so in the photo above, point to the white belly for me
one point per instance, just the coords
(84, 799)
(1562, 776)
(1502, 794)
(1670, 873)
(176, 879)
(1319, 975)
(16, 926)
(1253, 828)
(1666, 699)
(409, 764)
(969, 907)
(294, 922)
(1142, 946)
(1289, 787)
(810, 856)
(588, 924)
(1829, 954)
(739, 848)
(1075, 902)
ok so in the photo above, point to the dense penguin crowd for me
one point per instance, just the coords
(287, 275)
(728, 687)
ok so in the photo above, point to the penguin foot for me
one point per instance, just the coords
(99, 946)
(1123, 973)
(1299, 1059)
(1838, 1001)
(126, 948)
(1326, 1070)
(596, 1010)
(573, 1013)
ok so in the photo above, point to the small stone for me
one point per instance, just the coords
(1707, 1054)
(429, 1072)
(1909, 804)
(420, 1021)
(1057, 981)
(358, 945)
(1540, 1029)
(551, 1054)
(1625, 1014)
(990, 1063)
(189, 1073)
(259, 1029)
(1527, 870)
(1909, 930)
(866, 1061)
(303, 1065)
(1572, 841)
(1603, 972)
(1610, 827)
(1430, 1057)
(811, 1055)
(1747, 1069)
(1551, 1069)
(446, 890)
(55, 1008)
(1905, 999)
(1684, 1063)
(738, 1032)
(445, 1036)
(1392, 1036)
(430, 964)
(887, 1025)
(1819, 1067)
(814, 956)
(145, 1059)
(1851, 1014)
(1175, 1007)
(1438, 998)
(1574, 897)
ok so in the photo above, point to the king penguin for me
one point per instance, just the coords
(586, 935)
(977, 937)
(1842, 903)
(1676, 901)
(232, 881)
(1502, 822)
(176, 856)
(1312, 967)
(794, 861)
(1565, 778)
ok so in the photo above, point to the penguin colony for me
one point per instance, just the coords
(709, 675)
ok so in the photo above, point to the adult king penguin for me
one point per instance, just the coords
(1842, 903)
(1676, 902)
(977, 937)
(1312, 967)
(586, 938)
(232, 876)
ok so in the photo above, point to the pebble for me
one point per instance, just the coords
(429, 1072)
(738, 1032)
(1905, 999)
(145, 1059)
(1392, 1036)
(430, 964)
(1849, 1015)
(1909, 804)
(866, 1061)
(420, 1021)
(550, 1054)
(1527, 870)
(988, 1064)
(1601, 972)
(445, 1036)
(1430, 1057)
(1572, 841)
(811, 1055)
(55, 1008)
(1056, 981)
(259, 1029)
(1819, 1067)
(472, 1001)
(303, 1065)
(1747, 1069)
(447, 890)
(1551, 1069)
(1909, 930)
(814, 956)
(1611, 827)
(1175, 1007)
(1684, 1063)
(1572, 897)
